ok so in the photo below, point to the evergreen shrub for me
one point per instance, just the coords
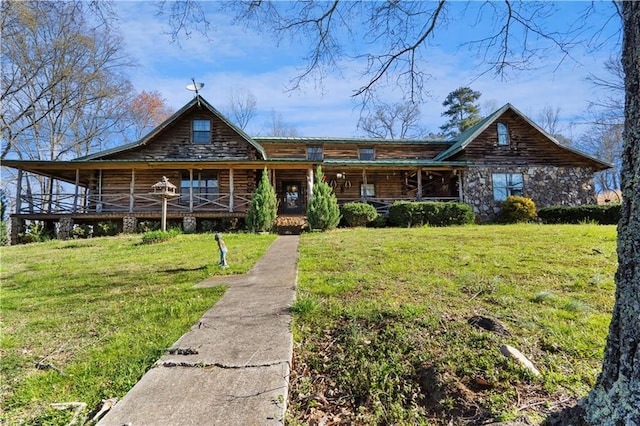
(604, 215)
(517, 209)
(358, 214)
(379, 222)
(261, 216)
(323, 212)
(447, 214)
(407, 214)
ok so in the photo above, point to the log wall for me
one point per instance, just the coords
(174, 142)
(527, 146)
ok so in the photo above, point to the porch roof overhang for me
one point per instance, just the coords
(66, 170)
(81, 171)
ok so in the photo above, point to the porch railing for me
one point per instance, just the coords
(64, 203)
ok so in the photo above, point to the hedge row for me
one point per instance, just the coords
(406, 214)
(604, 215)
(358, 214)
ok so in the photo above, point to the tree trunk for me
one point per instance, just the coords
(615, 399)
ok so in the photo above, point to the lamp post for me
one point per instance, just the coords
(165, 190)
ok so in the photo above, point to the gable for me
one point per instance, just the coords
(527, 144)
(174, 139)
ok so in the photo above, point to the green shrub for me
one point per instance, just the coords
(4, 233)
(152, 237)
(36, 232)
(358, 214)
(81, 231)
(379, 222)
(323, 212)
(603, 215)
(148, 226)
(261, 216)
(107, 229)
(403, 213)
(446, 214)
(517, 209)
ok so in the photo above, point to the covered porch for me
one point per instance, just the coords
(83, 194)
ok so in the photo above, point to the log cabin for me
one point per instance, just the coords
(215, 167)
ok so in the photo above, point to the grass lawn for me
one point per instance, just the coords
(96, 314)
(380, 322)
(382, 332)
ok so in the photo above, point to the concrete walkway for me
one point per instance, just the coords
(233, 367)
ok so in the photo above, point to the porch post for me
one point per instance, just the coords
(309, 184)
(19, 192)
(75, 195)
(190, 190)
(231, 191)
(460, 191)
(132, 190)
(419, 194)
(99, 205)
(363, 194)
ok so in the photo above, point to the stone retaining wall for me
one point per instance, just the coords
(545, 185)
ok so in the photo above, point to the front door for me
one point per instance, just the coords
(292, 202)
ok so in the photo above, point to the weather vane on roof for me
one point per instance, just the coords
(195, 87)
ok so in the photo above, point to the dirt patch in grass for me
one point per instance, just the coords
(356, 373)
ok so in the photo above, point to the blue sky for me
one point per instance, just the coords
(239, 57)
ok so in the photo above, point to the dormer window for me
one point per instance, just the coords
(503, 134)
(366, 154)
(314, 153)
(201, 131)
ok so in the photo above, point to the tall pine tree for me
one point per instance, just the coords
(323, 211)
(462, 111)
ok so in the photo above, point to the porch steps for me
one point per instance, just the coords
(290, 225)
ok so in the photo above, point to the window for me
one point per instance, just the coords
(503, 134)
(205, 187)
(366, 154)
(506, 184)
(367, 190)
(314, 153)
(201, 131)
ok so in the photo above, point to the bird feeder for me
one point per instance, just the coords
(164, 190)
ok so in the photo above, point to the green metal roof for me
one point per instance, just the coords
(393, 162)
(351, 141)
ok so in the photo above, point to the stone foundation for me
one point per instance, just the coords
(14, 228)
(545, 185)
(129, 224)
(65, 228)
(189, 224)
